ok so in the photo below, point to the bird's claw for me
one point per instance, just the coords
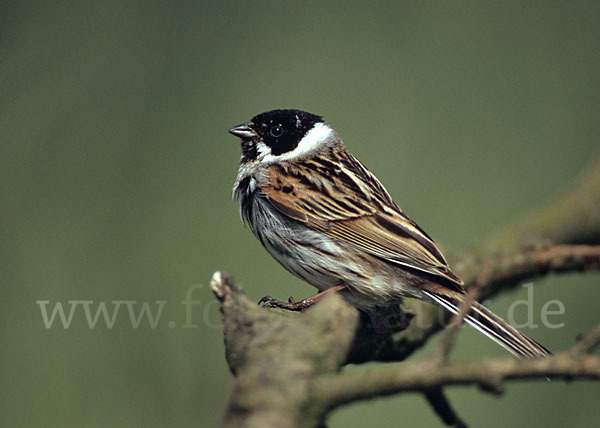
(290, 305)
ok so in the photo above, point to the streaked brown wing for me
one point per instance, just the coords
(345, 201)
(394, 239)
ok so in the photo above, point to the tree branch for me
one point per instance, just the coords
(488, 374)
(442, 407)
(287, 364)
(589, 342)
(275, 354)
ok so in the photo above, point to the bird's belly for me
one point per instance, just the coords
(323, 262)
(304, 257)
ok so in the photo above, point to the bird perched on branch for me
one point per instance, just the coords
(328, 220)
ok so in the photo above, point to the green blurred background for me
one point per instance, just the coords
(116, 170)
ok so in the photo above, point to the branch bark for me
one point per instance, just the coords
(275, 354)
(488, 374)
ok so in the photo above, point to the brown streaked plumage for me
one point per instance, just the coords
(348, 203)
(328, 220)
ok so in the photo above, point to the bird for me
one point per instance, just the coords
(328, 220)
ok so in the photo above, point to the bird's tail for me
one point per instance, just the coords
(493, 327)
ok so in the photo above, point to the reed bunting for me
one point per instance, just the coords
(328, 220)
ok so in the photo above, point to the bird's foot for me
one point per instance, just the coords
(290, 305)
(298, 305)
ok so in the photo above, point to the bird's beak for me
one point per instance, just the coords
(244, 131)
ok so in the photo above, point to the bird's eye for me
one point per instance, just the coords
(276, 131)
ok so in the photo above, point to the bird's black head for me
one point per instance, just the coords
(274, 132)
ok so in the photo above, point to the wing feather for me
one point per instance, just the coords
(348, 203)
